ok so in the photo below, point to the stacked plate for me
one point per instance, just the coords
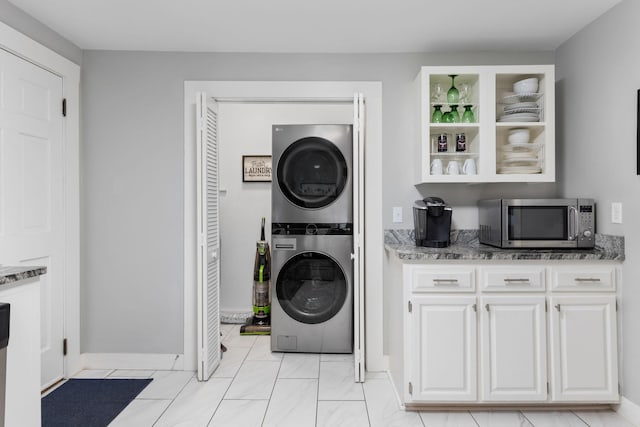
(521, 107)
(519, 156)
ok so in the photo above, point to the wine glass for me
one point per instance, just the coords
(468, 116)
(465, 92)
(453, 96)
(436, 92)
(436, 117)
(455, 116)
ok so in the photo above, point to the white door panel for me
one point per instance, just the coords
(584, 357)
(31, 192)
(514, 353)
(442, 334)
(358, 237)
(208, 237)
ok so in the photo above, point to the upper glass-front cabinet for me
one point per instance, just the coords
(487, 124)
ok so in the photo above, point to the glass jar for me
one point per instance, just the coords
(461, 142)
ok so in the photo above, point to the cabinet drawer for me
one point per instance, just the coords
(441, 279)
(513, 279)
(583, 278)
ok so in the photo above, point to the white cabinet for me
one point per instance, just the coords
(528, 332)
(442, 349)
(487, 93)
(22, 405)
(513, 348)
(583, 342)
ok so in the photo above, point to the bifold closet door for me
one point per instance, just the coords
(208, 239)
(358, 237)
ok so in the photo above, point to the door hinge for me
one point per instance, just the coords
(410, 307)
(64, 107)
(619, 389)
(410, 388)
(64, 347)
(616, 305)
(546, 306)
(547, 387)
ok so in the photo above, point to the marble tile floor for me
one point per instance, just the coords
(254, 387)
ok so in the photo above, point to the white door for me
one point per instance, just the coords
(583, 349)
(31, 192)
(358, 237)
(442, 349)
(513, 349)
(208, 237)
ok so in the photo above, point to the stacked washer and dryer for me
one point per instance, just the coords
(312, 239)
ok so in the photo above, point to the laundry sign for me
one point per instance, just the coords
(256, 168)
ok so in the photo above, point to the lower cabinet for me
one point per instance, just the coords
(583, 342)
(442, 349)
(513, 350)
(513, 345)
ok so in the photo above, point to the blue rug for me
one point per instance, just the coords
(89, 402)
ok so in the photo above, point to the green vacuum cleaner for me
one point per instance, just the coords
(260, 322)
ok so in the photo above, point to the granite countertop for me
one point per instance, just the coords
(465, 246)
(10, 275)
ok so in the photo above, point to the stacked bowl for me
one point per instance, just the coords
(522, 105)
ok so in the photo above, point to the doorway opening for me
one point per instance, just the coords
(283, 93)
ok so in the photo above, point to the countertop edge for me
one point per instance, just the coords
(10, 275)
(466, 247)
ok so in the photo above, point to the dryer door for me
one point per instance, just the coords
(312, 173)
(311, 287)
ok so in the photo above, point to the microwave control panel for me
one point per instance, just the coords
(586, 223)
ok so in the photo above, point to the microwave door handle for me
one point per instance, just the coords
(573, 221)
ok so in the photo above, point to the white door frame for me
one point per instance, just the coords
(374, 249)
(32, 51)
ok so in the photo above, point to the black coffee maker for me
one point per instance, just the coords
(432, 220)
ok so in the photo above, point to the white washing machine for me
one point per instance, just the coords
(312, 180)
(312, 289)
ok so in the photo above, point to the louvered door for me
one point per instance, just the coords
(208, 237)
(358, 237)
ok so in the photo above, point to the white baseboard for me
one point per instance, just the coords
(149, 361)
(629, 410)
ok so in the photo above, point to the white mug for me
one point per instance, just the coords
(453, 167)
(469, 167)
(436, 167)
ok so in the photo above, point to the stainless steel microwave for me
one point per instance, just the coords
(537, 223)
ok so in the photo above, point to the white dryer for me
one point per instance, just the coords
(312, 180)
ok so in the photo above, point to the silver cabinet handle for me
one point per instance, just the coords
(445, 281)
(587, 279)
(558, 307)
(510, 281)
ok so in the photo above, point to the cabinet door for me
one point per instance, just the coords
(442, 349)
(584, 349)
(513, 348)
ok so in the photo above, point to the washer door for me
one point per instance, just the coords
(312, 173)
(311, 287)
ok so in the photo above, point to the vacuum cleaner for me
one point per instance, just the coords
(260, 322)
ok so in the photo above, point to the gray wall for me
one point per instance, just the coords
(26, 24)
(598, 72)
(132, 171)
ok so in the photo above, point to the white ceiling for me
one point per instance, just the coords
(320, 26)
